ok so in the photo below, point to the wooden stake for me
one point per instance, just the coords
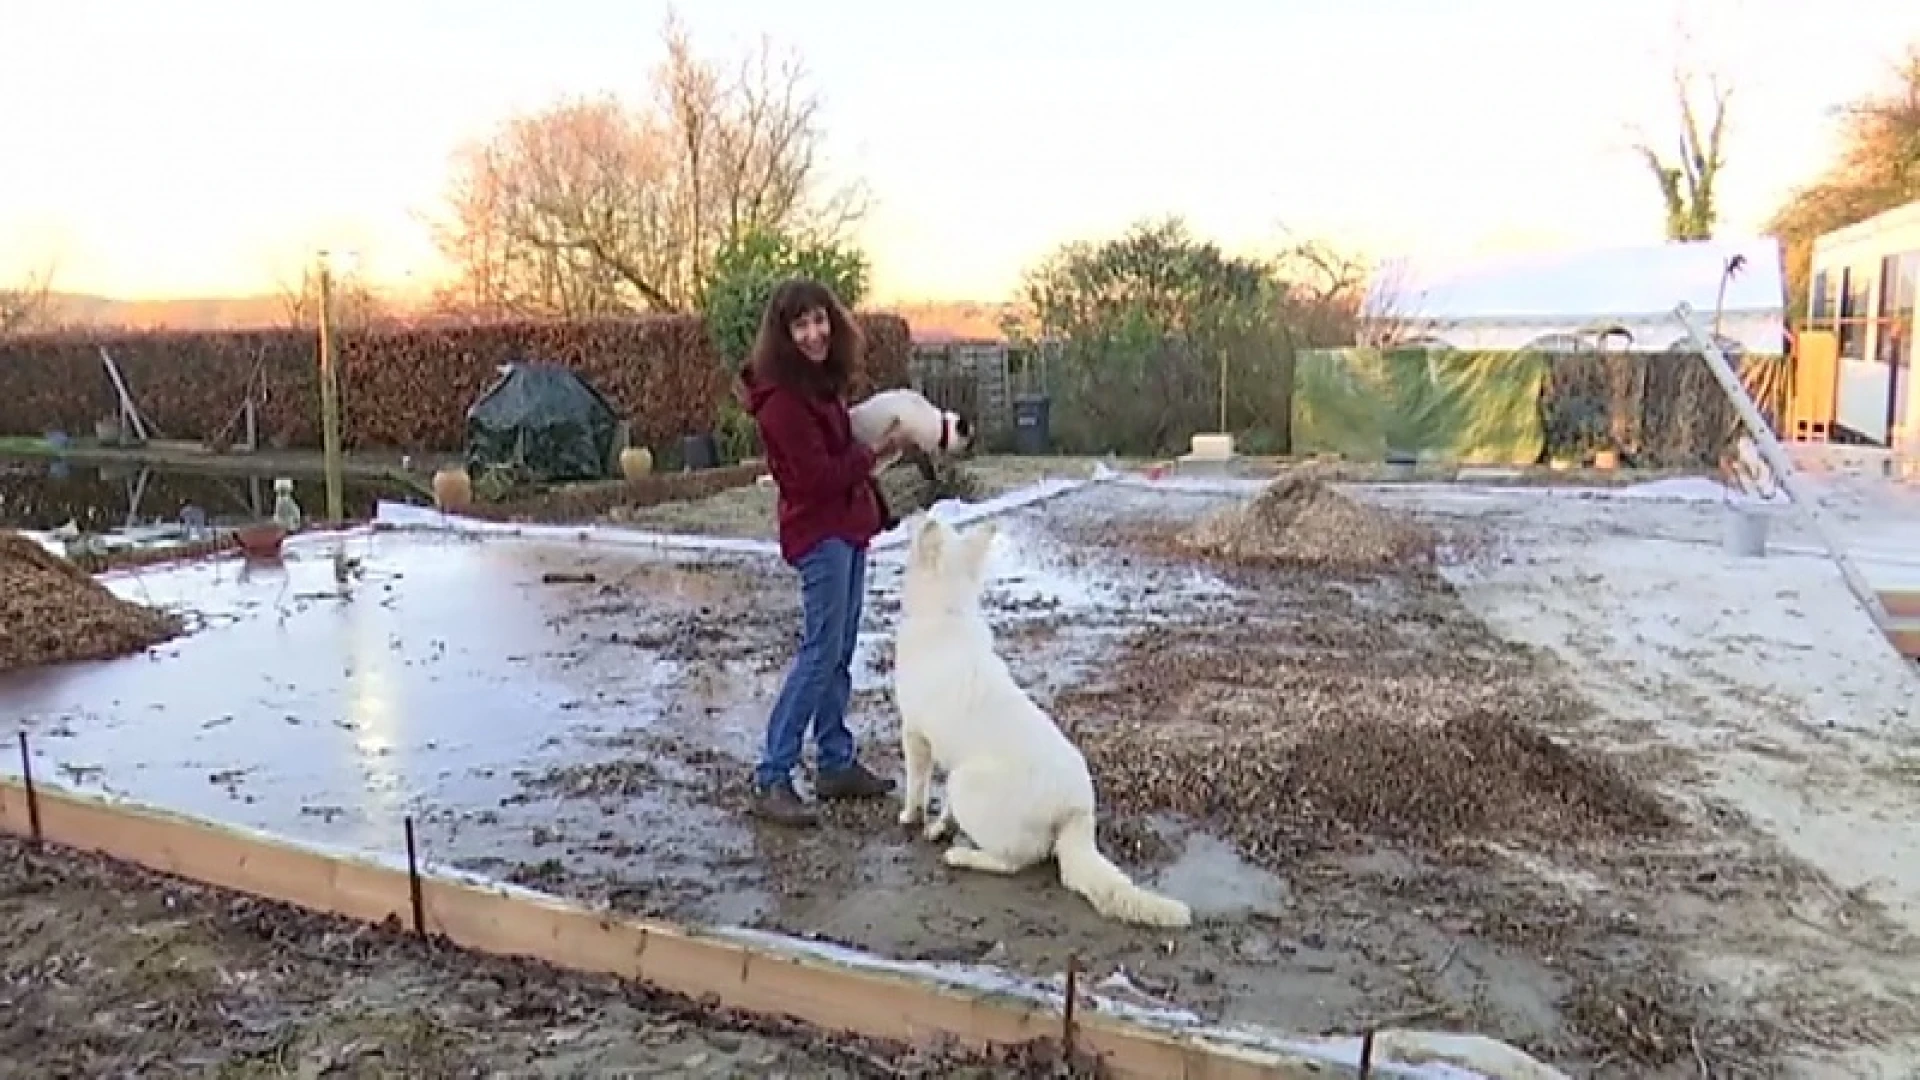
(33, 797)
(1366, 1054)
(330, 401)
(413, 883)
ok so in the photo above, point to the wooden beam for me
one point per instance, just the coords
(816, 990)
(1905, 635)
(1901, 603)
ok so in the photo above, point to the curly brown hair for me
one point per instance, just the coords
(777, 359)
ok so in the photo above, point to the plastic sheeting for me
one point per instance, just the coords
(1474, 408)
(544, 420)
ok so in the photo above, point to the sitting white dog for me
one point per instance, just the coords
(933, 430)
(1016, 786)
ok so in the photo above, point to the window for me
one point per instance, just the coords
(1854, 288)
(1899, 280)
(1821, 306)
(1899, 284)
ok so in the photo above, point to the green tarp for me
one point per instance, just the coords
(1479, 408)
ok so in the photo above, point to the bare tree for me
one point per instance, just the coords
(356, 305)
(1325, 289)
(1688, 183)
(593, 205)
(1391, 315)
(27, 306)
(1878, 169)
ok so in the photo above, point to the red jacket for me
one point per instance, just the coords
(824, 476)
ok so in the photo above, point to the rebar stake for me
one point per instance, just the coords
(1073, 994)
(413, 882)
(33, 797)
(1366, 1054)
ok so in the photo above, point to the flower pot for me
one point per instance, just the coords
(452, 488)
(260, 541)
(1606, 460)
(636, 462)
(1560, 464)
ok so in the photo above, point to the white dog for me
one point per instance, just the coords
(1016, 786)
(933, 430)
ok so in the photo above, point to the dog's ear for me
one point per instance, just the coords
(977, 547)
(928, 539)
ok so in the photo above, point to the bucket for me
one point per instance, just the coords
(1745, 531)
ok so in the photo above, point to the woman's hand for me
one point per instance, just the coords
(894, 440)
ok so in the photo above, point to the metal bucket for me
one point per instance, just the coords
(1745, 532)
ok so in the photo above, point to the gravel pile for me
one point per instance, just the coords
(1300, 735)
(1299, 521)
(53, 612)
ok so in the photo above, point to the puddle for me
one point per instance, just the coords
(332, 719)
(1217, 883)
(41, 495)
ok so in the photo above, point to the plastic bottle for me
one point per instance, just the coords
(286, 512)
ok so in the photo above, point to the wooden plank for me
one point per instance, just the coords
(1816, 381)
(1905, 635)
(871, 1003)
(14, 817)
(1901, 603)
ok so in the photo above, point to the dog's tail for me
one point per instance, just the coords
(1114, 895)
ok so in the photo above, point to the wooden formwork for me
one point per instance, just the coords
(1903, 620)
(492, 919)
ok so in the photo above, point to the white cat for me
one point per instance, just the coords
(933, 430)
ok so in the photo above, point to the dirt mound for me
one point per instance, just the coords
(1299, 520)
(1323, 715)
(1481, 776)
(53, 612)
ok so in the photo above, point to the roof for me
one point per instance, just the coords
(1627, 284)
(1899, 218)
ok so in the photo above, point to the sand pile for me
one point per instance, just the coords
(1298, 520)
(52, 612)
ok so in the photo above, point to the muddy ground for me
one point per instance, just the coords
(1372, 802)
(115, 972)
(1382, 811)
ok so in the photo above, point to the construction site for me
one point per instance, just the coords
(1468, 763)
(1561, 771)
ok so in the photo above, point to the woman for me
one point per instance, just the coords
(829, 510)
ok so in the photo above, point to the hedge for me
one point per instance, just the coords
(404, 388)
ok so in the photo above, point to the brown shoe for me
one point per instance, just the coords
(853, 782)
(781, 805)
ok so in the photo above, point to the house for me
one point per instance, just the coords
(1614, 298)
(1862, 290)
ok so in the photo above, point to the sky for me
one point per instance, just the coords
(207, 147)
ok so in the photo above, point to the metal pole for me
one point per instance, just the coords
(1776, 458)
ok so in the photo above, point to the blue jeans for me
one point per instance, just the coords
(833, 582)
